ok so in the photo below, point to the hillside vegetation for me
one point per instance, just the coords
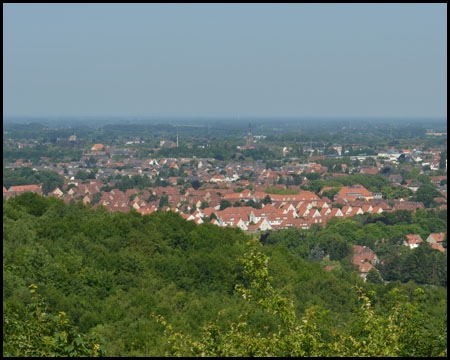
(78, 281)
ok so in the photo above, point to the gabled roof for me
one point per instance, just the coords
(364, 258)
(354, 192)
(438, 247)
(436, 237)
(413, 239)
(262, 224)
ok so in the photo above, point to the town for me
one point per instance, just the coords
(249, 194)
(225, 180)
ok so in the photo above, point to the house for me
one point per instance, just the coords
(57, 192)
(350, 193)
(436, 180)
(407, 205)
(414, 186)
(413, 240)
(365, 259)
(97, 147)
(436, 238)
(20, 189)
(352, 211)
(369, 170)
(262, 225)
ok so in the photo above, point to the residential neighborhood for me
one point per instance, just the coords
(222, 183)
(255, 196)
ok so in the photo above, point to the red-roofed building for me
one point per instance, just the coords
(435, 238)
(20, 189)
(438, 247)
(413, 240)
(355, 192)
(365, 258)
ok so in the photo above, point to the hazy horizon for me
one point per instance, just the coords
(227, 61)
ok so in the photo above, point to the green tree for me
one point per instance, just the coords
(443, 160)
(96, 197)
(335, 245)
(374, 277)
(196, 184)
(34, 332)
(426, 194)
(267, 200)
(292, 339)
(317, 253)
(163, 201)
(372, 333)
(225, 204)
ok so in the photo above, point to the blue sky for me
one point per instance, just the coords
(267, 60)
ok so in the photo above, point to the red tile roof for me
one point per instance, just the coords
(25, 188)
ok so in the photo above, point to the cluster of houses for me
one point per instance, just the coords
(365, 259)
(434, 239)
(225, 182)
(285, 211)
(300, 210)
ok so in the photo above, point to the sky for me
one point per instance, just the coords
(229, 59)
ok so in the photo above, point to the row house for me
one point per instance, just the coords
(242, 212)
(21, 189)
(242, 196)
(58, 193)
(303, 196)
(299, 223)
(331, 212)
(192, 217)
(262, 225)
(349, 211)
(407, 205)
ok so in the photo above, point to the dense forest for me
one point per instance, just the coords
(79, 281)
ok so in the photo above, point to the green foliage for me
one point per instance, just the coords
(396, 192)
(331, 192)
(374, 276)
(96, 197)
(163, 201)
(196, 184)
(371, 334)
(50, 180)
(110, 271)
(374, 183)
(278, 191)
(225, 204)
(34, 332)
(133, 182)
(426, 194)
(290, 339)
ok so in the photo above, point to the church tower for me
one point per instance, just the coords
(250, 141)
